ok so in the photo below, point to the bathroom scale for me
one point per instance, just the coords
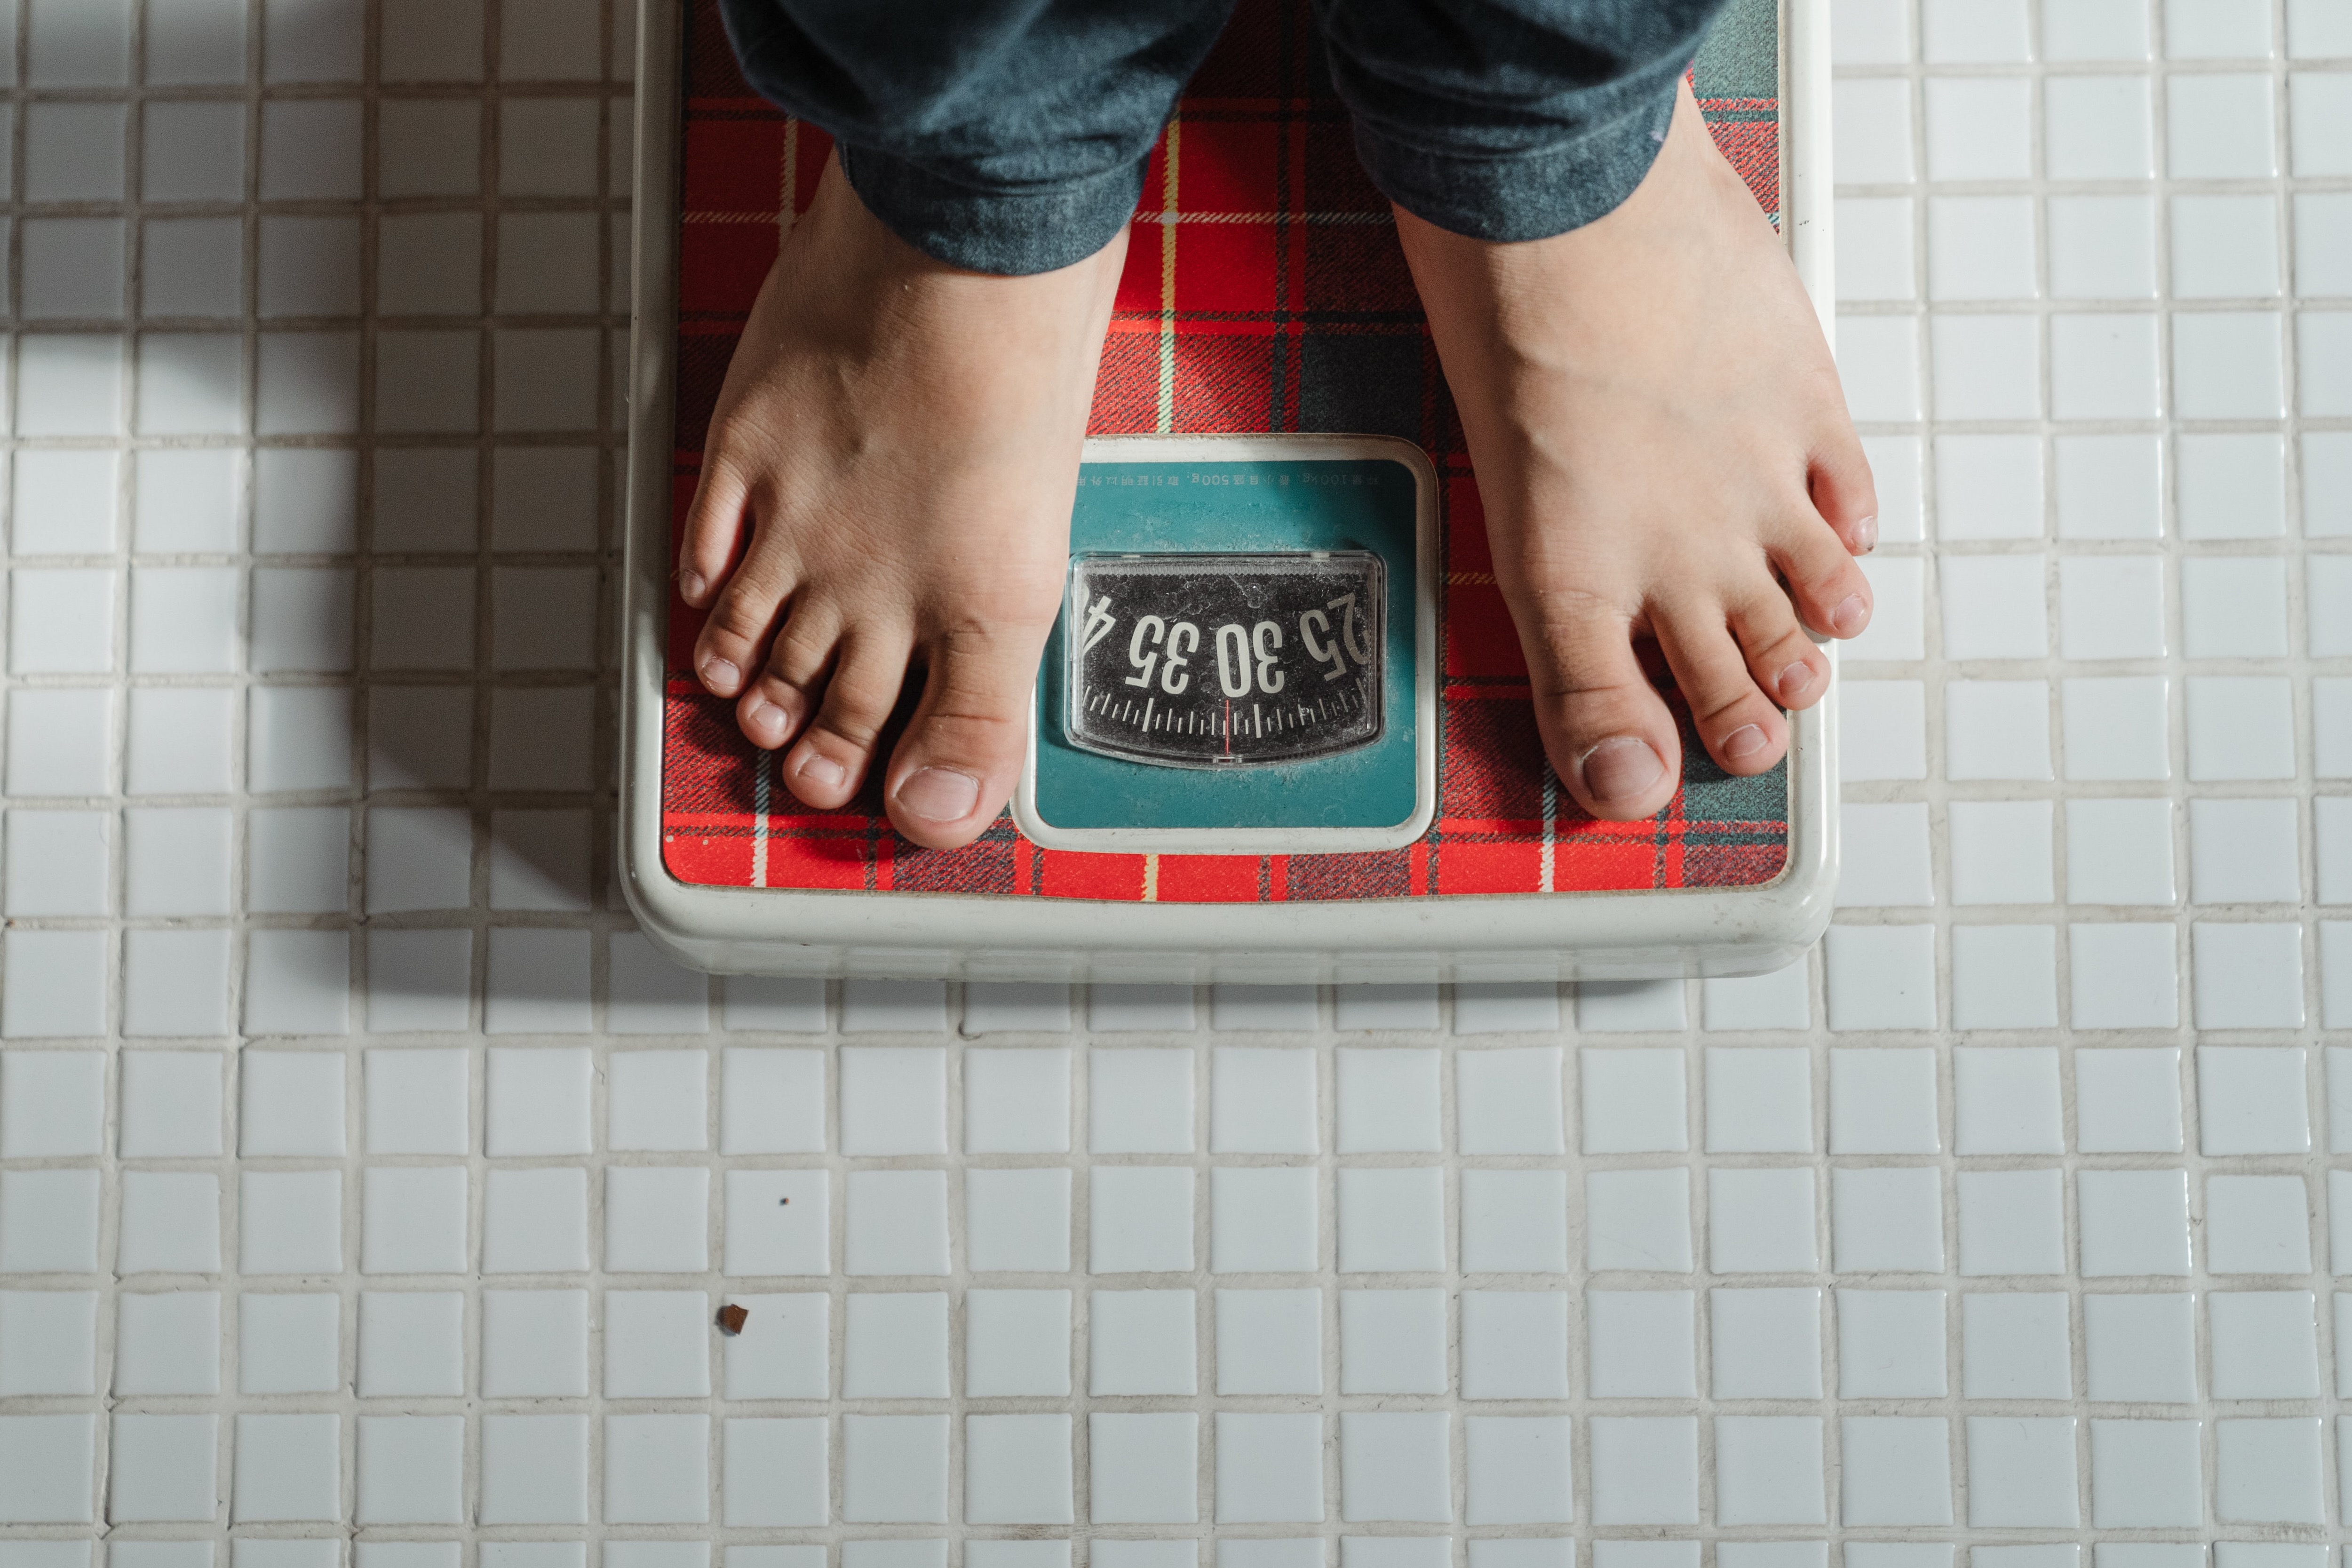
(1282, 730)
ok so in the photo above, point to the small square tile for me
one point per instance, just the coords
(2225, 246)
(2268, 1471)
(656, 1101)
(1262, 1101)
(1143, 1220)
(772, 1101)
(412, 1344)
(1634, 1101)
(2226, 364)
(1980, 248)
(2133, 1222)
(165, 1341)
(1898, 1470)
(48, 1344)
(1016, 1101)
(2011, 1222)
(1636, 1220)
(777, 1222)
(1889, 1220)
(288, 1468)
(1886, 860)
(534, 1344)
(1018, 1221)
(1514, 1345)
(1395, 1466)
(1872, 117)
(170, 1223)
(1883, 1103)
(1644, 1469)
(2097, 128)
(1262, 1220)
(2117, 728)
(1875, 259)
(1767, 1344)
(1391, 1342)
(2248, 975)
(1389, 1102)
(2256, 1225)
(2249, 1100)
(1985, 367)
(1769, 1470)
(2140, 1349)
(896, 1223)
(1507, 1007)
(1140, 1341)
(1269, 1468)
(1890, 1345)
(2119, 852)
(1016, 1343)
(1636, 1007)
(2128, 1100)
(1760, 1100)
(1017, 1471)
(1518, 1469)
(537, 1102)
(2111, 607)
(289, 1343)
(2000, 852)
(1884, 732)
(2125, 976)
(162, 1468)
(2145, 1473)
(2219, 128)
(2006, 1102)
(657, 1467)
(1516, 1222)
(1271, 1342)
(2233, 608)
(1508, 1102)
(1390, 1220)
(2266, 1344)
(2015, 1345)
(1139, 1102)
(893, 1100)
(1977, 128)
(895, 1345)
(171, 1104)
(1643, 1344)
(2022, 1472)
(412, 1221)
(1144, 1469)
(1761, 1222)
(1997, 730)
(535, 1221)
(534, 1469)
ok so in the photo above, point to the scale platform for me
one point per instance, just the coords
(1282, 730)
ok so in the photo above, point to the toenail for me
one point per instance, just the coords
(1744, 742)
(822, 771)
(690, 585)
(939, 794)
(1793, 680)
(769, 720)
(1621, 767)
(1849, 616)
(722, 676)
(1865, 535)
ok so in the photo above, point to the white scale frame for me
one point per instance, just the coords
(1616, 936)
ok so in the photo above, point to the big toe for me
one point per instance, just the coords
(956, 767)
(1605, 728)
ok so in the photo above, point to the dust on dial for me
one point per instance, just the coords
(1225, 660)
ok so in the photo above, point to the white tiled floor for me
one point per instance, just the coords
(2007, 1224)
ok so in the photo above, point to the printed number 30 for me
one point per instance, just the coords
(1235, 648)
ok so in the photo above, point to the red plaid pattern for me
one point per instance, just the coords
(1263, 291)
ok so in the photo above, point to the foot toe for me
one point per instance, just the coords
(1604, 726)
(1843, 491)
(729, 650)
(955, 769)
(1741, 728)
(1829, 590)
(1782, 660)
(829, 762)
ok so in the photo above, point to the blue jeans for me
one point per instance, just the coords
(1010, 136)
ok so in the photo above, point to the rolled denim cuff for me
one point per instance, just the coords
(1520, 194)
(1010, 233)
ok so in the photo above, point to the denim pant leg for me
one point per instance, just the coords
(1006, 136)
(1510, 119)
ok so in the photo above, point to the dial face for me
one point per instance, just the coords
(1225, 660)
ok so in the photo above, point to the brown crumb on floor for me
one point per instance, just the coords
(731, 1318)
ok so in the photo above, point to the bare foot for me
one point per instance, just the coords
(899, 440)
(1660, 445)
